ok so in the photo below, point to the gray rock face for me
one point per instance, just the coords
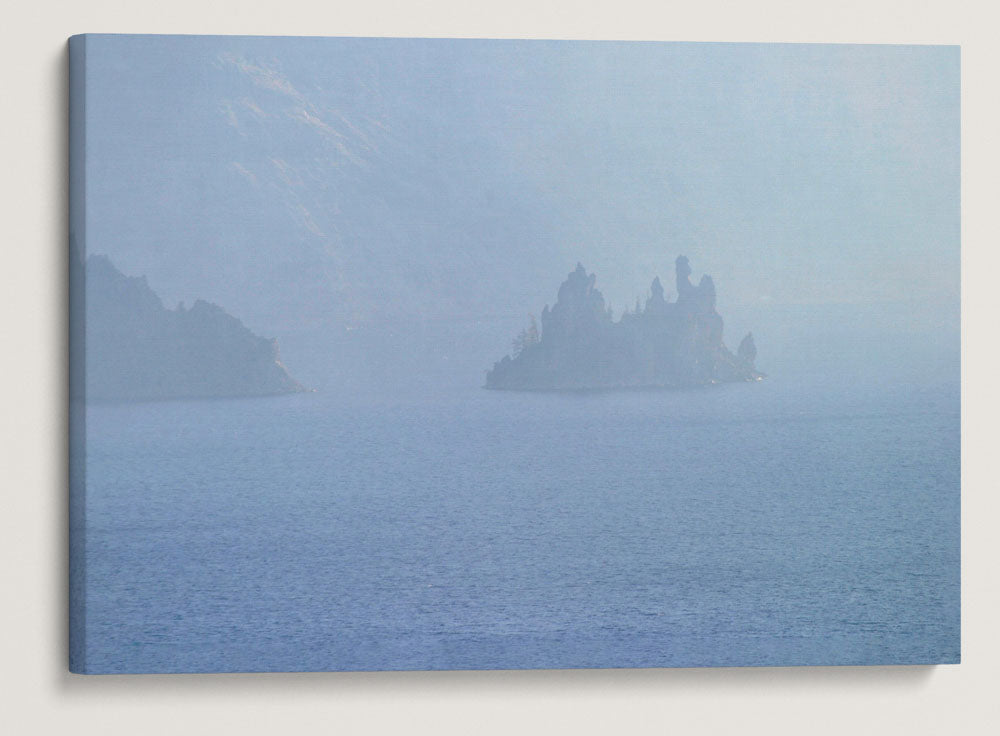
(664, 344)
(136, 349)
(747, 351)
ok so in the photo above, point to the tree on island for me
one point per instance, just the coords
(526, 338)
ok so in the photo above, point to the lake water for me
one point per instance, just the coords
(404, 518)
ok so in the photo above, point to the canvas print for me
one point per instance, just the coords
(413, 354)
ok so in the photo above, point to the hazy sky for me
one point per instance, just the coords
(313, 181)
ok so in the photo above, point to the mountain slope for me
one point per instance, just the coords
(136, 349)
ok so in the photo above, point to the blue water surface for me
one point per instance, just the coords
(404, 518)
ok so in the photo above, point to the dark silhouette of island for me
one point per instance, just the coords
(138, 350)
(664, 344)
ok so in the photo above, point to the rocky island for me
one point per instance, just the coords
(137, 350)
(661, 344)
